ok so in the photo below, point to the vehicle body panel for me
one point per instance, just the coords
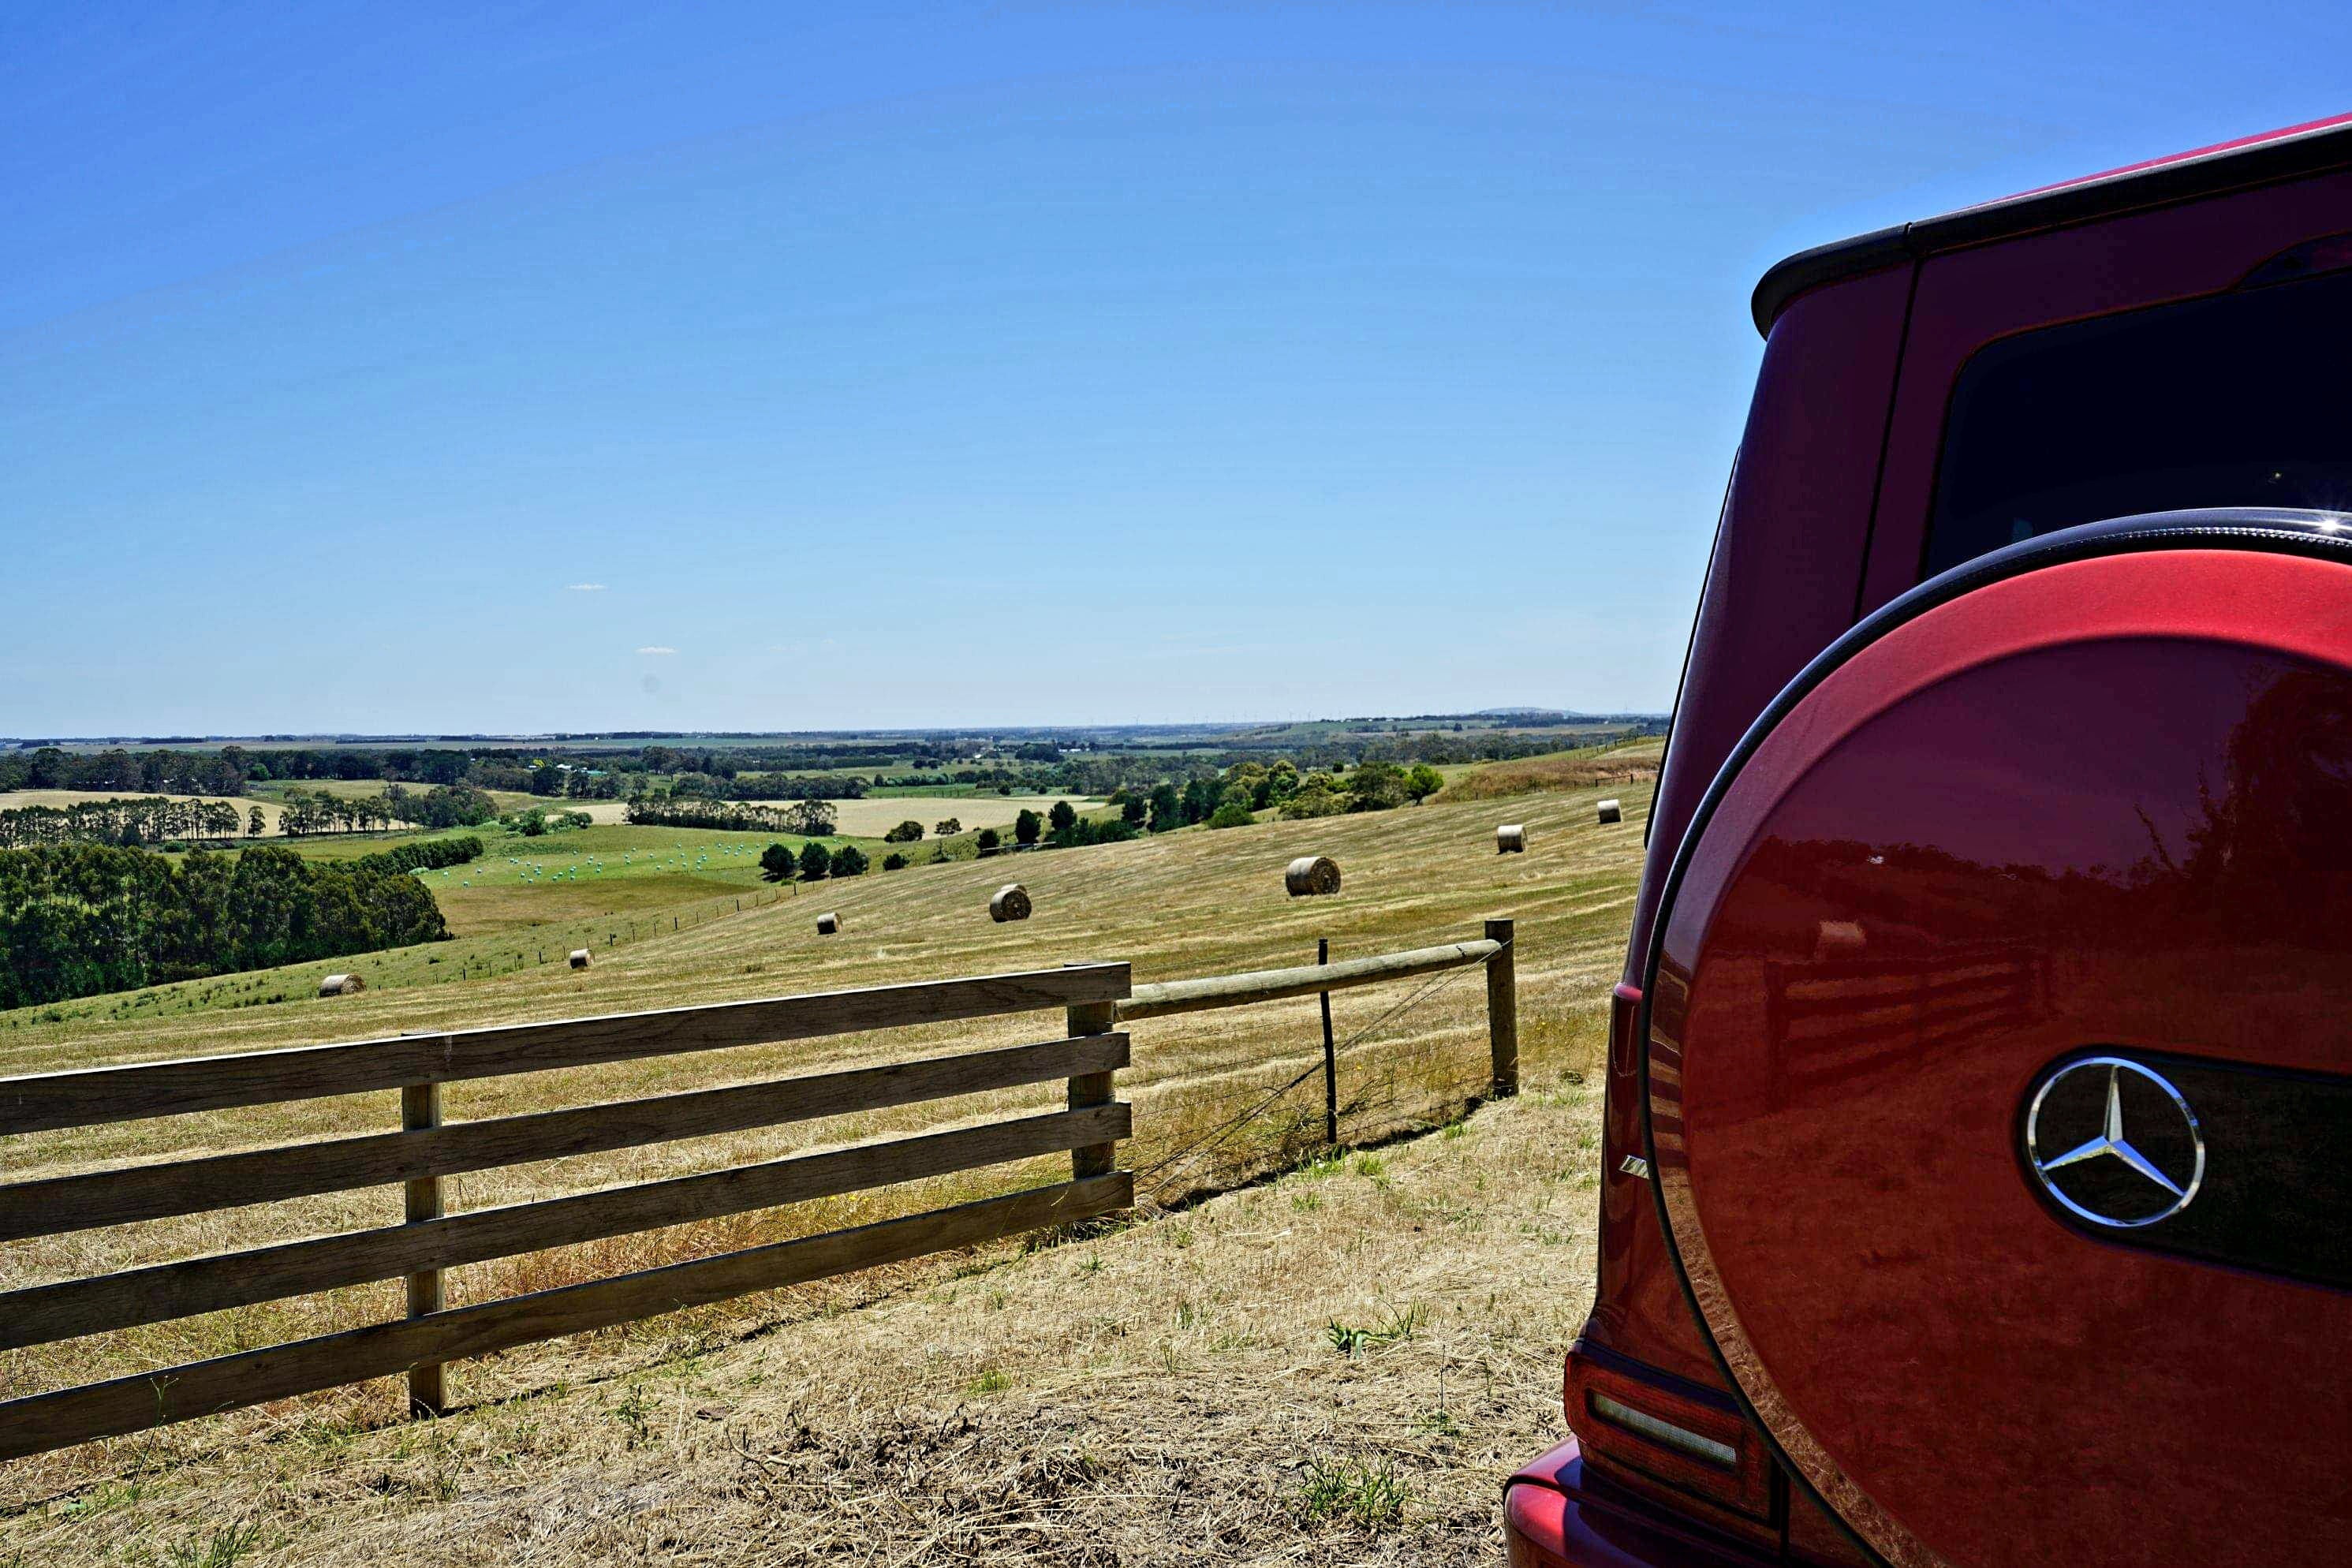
(1826, 521)
(1887, 1284)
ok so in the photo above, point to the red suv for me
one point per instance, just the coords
(1980, 1100)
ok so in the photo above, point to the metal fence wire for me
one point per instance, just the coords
(1385, 1084)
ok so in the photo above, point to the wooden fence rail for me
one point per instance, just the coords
(427, 1150)
(1096, 1000)
(1168, 996)
(1165, 997)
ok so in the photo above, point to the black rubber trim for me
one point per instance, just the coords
(2315, 151)
(2319, 534)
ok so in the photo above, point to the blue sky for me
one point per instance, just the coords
(549, 366)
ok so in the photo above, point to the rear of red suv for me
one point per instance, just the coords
(1978, 1131)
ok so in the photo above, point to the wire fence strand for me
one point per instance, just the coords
(1259, 1107)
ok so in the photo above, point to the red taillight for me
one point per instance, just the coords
(1666, 1433)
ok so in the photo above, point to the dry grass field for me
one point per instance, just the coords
(1635, 764)
(1171, 1390)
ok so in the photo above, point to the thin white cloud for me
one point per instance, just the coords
(583, 587)
(656, 650)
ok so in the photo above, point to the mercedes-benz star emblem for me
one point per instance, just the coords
(2114, 1142)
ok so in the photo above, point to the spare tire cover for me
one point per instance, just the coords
(2081, 833)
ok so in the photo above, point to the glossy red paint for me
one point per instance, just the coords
(1780, 586)
(1557, 1514)
(1788, 556)
(1825, 521)
(2006, 797)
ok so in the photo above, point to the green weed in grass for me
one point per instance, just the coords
(1357, 1492)
(634, 1412)
(1438, 1423)
(1352, 1341)
(224, 1548)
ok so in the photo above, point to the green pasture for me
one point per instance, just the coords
(587, 873)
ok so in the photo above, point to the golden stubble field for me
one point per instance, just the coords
(1187, 904)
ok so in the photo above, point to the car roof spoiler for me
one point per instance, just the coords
(2318, 147)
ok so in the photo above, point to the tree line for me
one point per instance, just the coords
(1234, 797)
(126, 822)
(145, 773)
(303, 813)
(814, 862)
(428, 855)
(805, 819)
(77, 920)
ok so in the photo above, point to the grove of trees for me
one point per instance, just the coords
(804, 818)
(80, 919)
(1232, 798)
(150, 820)
(304, 812)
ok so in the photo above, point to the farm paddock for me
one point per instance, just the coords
(1335, 1366)
(1236, 1368)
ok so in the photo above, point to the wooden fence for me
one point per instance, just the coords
(1095, 999)
(426, 1149)
(1169, 997)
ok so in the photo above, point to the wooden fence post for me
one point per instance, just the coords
(1330, 1055)
(1503, 1010)
(1091, 1088)
(420, 1107)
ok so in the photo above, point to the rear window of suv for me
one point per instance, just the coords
(2239, 399)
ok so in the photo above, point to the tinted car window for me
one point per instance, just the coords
(2241, 399)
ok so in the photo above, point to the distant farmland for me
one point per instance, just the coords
(875, 815)
(865, 818)
(1635, 763)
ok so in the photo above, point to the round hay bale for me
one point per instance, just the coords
(1612, 811)
(1011, 903)
(1311, 876)
(580, 958)
(342, 985)
(1511, 838)
(828, 924)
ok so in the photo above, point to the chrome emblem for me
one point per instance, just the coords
(2106, 1178)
